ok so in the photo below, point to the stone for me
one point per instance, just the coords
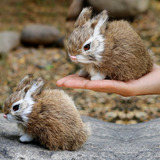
(120, 8)
(141, 115)
(9, 40)
(108, 141)
(115, 8)
(74, 9)
(39, 34)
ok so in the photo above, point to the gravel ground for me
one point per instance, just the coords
(52, 64)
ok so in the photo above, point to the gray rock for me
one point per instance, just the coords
(74, 9)
(38, 34)
(121, 8)
(8, 41)
(108, 142)
(115, 8)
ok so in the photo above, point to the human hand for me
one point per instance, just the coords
(148, 84)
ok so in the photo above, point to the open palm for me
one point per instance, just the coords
(148, 84)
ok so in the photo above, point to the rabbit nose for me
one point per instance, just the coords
(73, 57)
(5, 116)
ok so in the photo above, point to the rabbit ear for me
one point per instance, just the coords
(25, 81)
(99, 23)
(83, 17)
(36, 88)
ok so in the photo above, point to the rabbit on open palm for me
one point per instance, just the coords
(107, 49)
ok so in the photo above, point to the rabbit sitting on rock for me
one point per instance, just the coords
(107, 49)
(48, 116)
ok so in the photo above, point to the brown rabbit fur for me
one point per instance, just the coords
(107, 49)
(48, 116)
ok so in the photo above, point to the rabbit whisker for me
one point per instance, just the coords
(19, 118)
(91, 57)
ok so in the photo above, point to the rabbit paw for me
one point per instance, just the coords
(26, 138)
(98, 76)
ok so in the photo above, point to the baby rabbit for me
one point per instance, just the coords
(48, 116)
(107, 50)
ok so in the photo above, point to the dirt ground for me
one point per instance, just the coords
(52, 63)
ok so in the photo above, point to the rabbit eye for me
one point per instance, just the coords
(87, 47)
(16, 107)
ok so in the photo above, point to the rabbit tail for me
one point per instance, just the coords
(82, 136)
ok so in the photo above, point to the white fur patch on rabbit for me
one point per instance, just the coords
(26, 104)
(26, 138)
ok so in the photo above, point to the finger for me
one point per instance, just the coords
(110, 86)
(61, 81)
(73, 81)
(76, 83)
(101, 85)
